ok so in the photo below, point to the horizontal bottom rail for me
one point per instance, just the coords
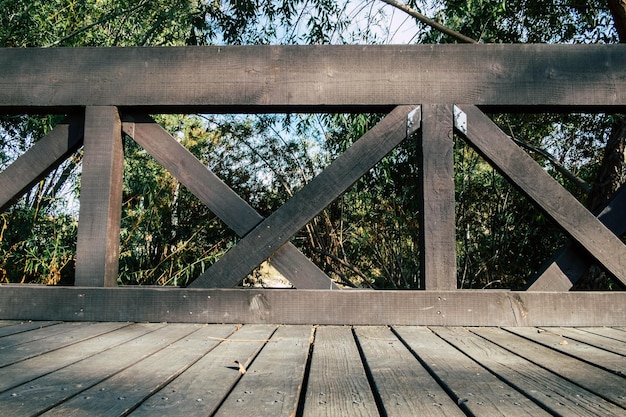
(358, 307)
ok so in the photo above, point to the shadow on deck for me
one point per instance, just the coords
(154, 369)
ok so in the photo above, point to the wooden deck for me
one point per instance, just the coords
(157, 369)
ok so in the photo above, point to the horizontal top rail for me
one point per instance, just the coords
(261, 79)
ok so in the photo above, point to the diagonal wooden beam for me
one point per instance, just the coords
(571, 262)
(38, 161)
(220, 199)
(581, 225)
(281, 225)
(98, 242)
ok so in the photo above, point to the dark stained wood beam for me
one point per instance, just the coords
(437, 233)
(280, 226)
(544, 191)
(220, 199)
(98, 242)
(41, 159)
(313, 78)
(355, 307)
(571, 263)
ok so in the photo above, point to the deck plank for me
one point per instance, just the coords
(552, 391)
(272, 383)
(404, 386)
(39, 395)
(160, 369)
(31, 344)
(597, 340)
(474, 388)
(337, 385)
(30, 369)
(182, 345)
(599, 381)
(10, 327)
(608, 360)
(609, 332)
(200, 390)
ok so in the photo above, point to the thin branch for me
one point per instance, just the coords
(98, 22)
(430, 22)
(579, 182)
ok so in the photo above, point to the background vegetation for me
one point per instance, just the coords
(368, 238)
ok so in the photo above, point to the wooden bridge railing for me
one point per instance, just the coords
(428, 90)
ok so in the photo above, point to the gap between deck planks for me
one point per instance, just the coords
(159, 369)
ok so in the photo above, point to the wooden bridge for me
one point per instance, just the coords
(430, 92)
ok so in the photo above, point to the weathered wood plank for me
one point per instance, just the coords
(571, 262)
(221, 199)
(98, 242)
(19, 347)
(41, 394)
(403, 385)
(609, 332)
(30, 334)
(280, 226)
(545, 192)
(367, 307)
(272, 383)
(556, 394)
(195, 393)
(337, 385)
(232, 79)
(602, 383)
(437, 233)
(180, 346)
(30, 369)
(593, 339)
(477, 391)
(41, 159)
(13, 327)
(554, 339)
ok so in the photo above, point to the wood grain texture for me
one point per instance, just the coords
(98, 242)
(584, 374)
(545, 192)
(42, 158)
(272, 383)
(366, 307)
(404, 386)
(179, 346)
(84, 348)
(571, 262)
(10, 327)
(338, 385)
(602, 341)
(56, 337)
(55, 388)
(270, 78)
(556, 340)
(609, 332)
(220, 199)
(558, 395)
(200, 390)
(475, 390)
(281, 225)
(437, 234)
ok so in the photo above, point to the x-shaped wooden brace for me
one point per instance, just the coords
(219, 198)
(274, 232)
(531, 179)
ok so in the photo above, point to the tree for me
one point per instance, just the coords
(368, 236)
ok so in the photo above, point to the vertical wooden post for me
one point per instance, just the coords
(98, 245)
(437, 237)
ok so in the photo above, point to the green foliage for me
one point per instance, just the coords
(368, 237)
